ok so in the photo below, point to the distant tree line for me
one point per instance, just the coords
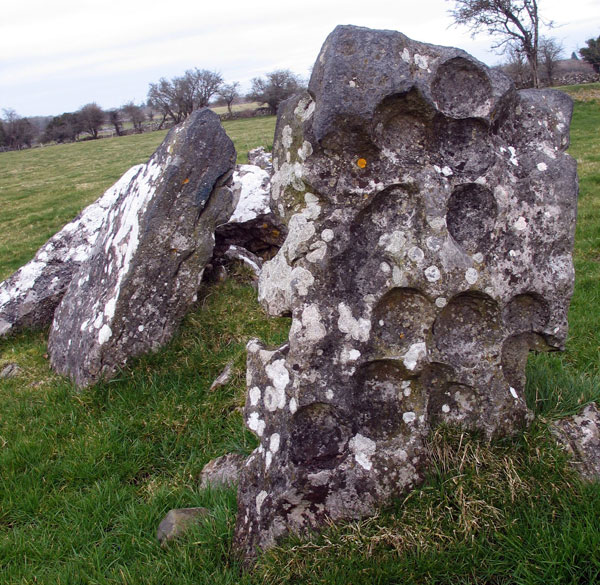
(171, 100)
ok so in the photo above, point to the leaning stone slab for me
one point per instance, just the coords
(431, 212)
(30, 296)
(144, 271)
(580, 436)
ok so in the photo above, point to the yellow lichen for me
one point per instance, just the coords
(361, 163)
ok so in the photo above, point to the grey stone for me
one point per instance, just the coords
(10, 371)
(30, 296)
(144, 271)
(252, 225)
(222, 471)
(261, 158)
(251, 260)
(177, 522)
(431, 212)
(580, 436)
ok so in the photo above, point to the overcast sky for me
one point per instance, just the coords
(58, 55)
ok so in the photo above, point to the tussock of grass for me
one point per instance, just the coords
(488, 513)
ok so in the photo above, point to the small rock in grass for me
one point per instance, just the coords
(222, 471)
(10, 371)
(580, 435)
(177, 522)
(223, 378)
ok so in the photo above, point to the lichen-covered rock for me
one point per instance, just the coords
(252, 225)
(261, 158)
(223, 471)
(430, 211)
(30, 296)
(580, 436)
(144, 271)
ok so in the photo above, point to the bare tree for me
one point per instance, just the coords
(18, 132)
(275, 87)
(92, 118)
(162, 96)
(591, 53)
(512, 22)
(516, 67)
(549, 55)
(135, 114)
(229, 92)
(114, 117)
(179, 97)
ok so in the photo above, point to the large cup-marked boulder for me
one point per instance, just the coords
(144, 271)
(30, 296)
(431, 213)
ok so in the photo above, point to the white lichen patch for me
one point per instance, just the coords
(104, 334)
(293, 405)
(254, 394)
(260, 498)
(327, 235)
(542, 166)
(306, 150)
(520, 224)
(405, 55)
(385, 268)
(274, 441)
(349, 355)
(416, 254)
(432, 274)
(286, 136)
(393, 242)
(363, 449)
(318, 252)
(313, 328)
(359, 329)
(436, 223)
(415, 353)
(256, 424)
(251, 185)
(513, 156)
(441, 302)
(409, 417)
(478, 257)
(301, 280)
(445, 409)
(471, 275)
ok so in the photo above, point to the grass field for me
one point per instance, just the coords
(85, 477)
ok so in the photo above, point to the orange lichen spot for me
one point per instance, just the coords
(361, 162)
(186, 181)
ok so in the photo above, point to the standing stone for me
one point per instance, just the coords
(431, 214)
(144, 271)
(30, 296)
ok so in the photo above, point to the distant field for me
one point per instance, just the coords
(236, 107)
(86, 476)
(44, 188)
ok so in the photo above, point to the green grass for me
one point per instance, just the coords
(86, 476)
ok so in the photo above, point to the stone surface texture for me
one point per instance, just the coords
(580, 435)
(145, 268)
(30, 296)
(431, 212)
(222, 471)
